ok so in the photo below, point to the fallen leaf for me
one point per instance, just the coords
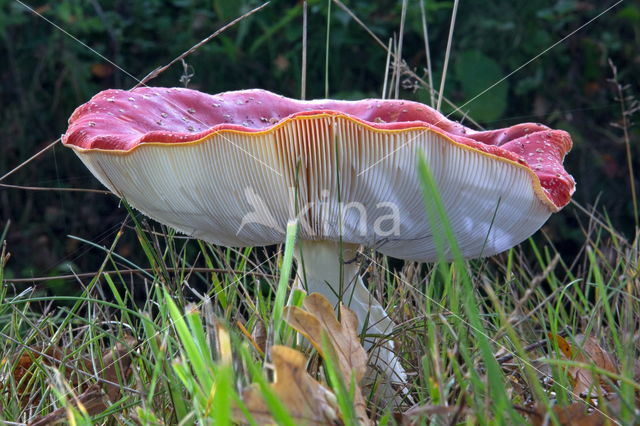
(116, 364)
(563, 345)
(258, 332)
(582, 379)
(307, 401)
(22, 371)
(92, 402)
(319, 319)
(576, 414)
(443, 414)
(593, 353)
(259, 335)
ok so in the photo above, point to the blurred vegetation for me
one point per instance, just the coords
(46, 73)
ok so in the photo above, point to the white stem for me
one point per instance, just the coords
(324, 268)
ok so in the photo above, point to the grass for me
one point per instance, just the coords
(456, 321)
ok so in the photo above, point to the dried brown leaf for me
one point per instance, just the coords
(576, 414)
(117, 366)
(22, 371)
(259, 335)
(92, 401)
(319, 319)
(600, 357)
(563, 345)
(447, 414)
(307, 401)
(591, 353)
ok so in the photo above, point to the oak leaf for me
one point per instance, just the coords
(319, 317)
(306, 400)
(318, 320)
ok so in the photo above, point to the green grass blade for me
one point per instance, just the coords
(283, 283)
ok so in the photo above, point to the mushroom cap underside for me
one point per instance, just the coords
(340, 174)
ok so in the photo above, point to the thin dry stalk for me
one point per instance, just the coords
(405, 69)
(403, 16)
(42, 188)
(625, 113)
(592, 216)
(425, 33)
(394, 74)
(447, 53)
(153, 74)
(326, 58)
(133, 271)
(386, 69)
(303, 76)
(30, 159)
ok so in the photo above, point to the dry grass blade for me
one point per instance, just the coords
(447, 53)
(386, 69)
(405, 69)
(153, 74)
(28, 160)
(259, 346)
(303, 74)
(427, 51)
(400, 40)
(307, 401)
(625, 113)
(42, 188)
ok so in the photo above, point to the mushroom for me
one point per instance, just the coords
(234, 168)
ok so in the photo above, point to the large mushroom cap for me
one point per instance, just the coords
(233, 168)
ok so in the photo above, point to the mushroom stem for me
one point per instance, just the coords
(324, 268)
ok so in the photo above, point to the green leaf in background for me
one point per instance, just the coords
(477, 72)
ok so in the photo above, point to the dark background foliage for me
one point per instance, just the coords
(45, 73)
